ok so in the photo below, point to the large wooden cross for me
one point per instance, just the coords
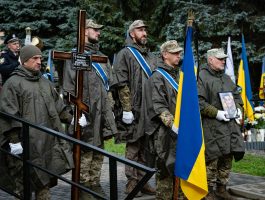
(77, 100)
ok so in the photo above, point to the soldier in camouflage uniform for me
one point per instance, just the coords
(99, 122)
(223, 138)
(130, 80)
(160, 99)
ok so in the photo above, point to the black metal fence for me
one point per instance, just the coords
(113, 159)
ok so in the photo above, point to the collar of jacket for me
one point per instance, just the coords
(174, 72)
(28, 74)
(11, 53)
(129, 42)
(93, 48)
(215, 73)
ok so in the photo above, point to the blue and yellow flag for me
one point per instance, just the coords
(49, 69)
(244, 83)
(262, 81)
(190, 160)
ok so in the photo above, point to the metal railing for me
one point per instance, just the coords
(255, 146)
(113, 159)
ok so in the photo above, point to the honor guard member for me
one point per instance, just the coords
(9, 59)
(99, 123)
(222, 136)
(160, 100)
(30, 96)
(133, 66)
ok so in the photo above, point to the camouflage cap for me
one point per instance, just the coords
(218, 53)
(170, 46)
(136, 24)
(11, 38)
(90, 23)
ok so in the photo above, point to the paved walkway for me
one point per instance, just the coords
(242, 186)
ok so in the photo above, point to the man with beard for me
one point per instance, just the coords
(99, 123)
(9, 58)
(133, 66)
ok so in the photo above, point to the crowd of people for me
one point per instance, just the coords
(133, 100)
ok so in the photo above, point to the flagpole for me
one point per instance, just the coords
(176, 189)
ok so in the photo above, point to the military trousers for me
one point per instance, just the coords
(218, 170)
(134, 151)
(15, 169)
(164, 187)
(90, 168)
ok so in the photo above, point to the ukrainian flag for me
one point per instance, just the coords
(262, 81)
(190, 161)
(244, 83)
(50, 65)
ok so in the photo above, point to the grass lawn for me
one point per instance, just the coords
(118, 149)
(250, 164)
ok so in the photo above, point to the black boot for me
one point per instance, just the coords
(87, 196)
(222, 193)
(130, 186)
(211, 194)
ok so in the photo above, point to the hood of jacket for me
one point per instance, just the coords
(29, 75)
(93, 48)
(174, 72)
(213, 72)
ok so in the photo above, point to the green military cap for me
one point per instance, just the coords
(218, 53)
(136, 24)
(90, 23)
(170, 46)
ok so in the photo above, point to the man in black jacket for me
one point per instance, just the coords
(9, 58)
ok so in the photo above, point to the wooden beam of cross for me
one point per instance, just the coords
(77, 100)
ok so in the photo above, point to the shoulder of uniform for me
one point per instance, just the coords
(3, 52)
(2, 56)
(2, 60)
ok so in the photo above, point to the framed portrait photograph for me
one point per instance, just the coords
(228, 103)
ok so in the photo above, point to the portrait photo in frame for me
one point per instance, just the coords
(228, 103)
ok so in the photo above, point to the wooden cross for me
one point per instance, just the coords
(77, 100)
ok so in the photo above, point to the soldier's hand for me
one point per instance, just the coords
(108, 137)
(239, 116)
(175, 129)
(127, 117)
(221, 116)
(16, 148)
(82, 121)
